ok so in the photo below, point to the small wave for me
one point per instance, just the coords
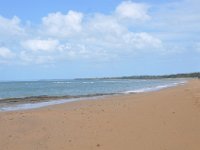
(36, 105)
(27, 106)
(112, 81)
(58, 82)
(64, 82)
(123, 81)
(88, 82)
(28, 83)
(156, 88)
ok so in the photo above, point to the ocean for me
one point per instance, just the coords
(77, 89)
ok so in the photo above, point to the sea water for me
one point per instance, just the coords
(78, 87)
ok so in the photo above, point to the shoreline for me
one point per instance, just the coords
(168, 119)
(34, 102)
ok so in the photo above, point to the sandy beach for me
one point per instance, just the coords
(163, 120)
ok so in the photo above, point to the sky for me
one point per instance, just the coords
(66, 39)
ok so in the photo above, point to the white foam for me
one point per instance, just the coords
(111, 81)
(122, 81)
(156, 88)
(38, 105)
(59, 82)
(88, 82)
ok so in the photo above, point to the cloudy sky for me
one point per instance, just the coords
(61, 39)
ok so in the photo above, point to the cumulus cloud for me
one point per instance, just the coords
(41, 45)
(40, 51)
(10, 27)
(97, 36)
(133, 11)
(128, 30)
(62, 25)
(145, 40)
(29, 57)
(6, 53)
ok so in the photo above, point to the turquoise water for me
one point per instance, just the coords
(81, 87)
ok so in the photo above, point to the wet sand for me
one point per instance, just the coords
(164, 120)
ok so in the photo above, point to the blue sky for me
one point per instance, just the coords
(71, 39)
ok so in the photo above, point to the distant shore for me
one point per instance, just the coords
(168, 119)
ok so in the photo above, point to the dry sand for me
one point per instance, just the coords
(164, 120)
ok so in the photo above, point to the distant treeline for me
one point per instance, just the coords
(180, 75)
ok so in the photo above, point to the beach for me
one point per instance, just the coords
(168, 119)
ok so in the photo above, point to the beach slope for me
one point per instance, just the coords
(163, 120)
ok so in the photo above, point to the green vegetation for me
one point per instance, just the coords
(180, 75)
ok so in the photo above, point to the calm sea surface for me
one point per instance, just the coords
(73, 88)
(81, 87)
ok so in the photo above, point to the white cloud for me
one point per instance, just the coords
(100, 37)
(133, 11)
(41, 45)
(6, 53)
(29, 58)
(122, 32)
(106, 34)
(145, 40)
(62, 25)
(104, 24)
(10, 27)
(40, 51)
